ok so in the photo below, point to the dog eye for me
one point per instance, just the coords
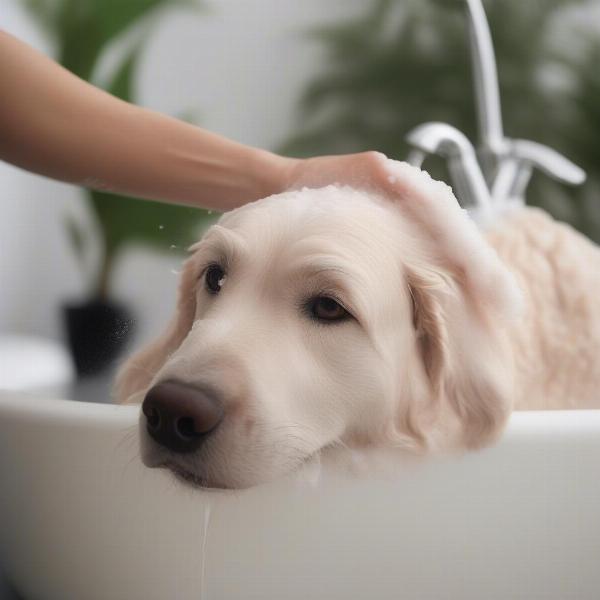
(214, 279)
(324, 308)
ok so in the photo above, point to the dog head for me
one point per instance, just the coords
(322, 317)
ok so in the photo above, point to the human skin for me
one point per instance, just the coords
(55, 124)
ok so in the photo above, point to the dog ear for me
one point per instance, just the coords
(466, 359)
(137, 373)
(464, 299)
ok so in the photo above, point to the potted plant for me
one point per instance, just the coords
(98, 327)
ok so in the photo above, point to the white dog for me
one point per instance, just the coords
(330, 316)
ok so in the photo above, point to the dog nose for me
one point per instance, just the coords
(180, 416)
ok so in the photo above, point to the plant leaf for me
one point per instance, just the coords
(75, 236)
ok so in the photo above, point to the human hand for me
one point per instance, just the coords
(364, 170)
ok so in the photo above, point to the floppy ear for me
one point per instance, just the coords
(136, 374)
(464, 300)
(466, 359)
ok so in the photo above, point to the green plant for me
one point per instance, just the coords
(402, 63)
(582, 136)
(82, 31)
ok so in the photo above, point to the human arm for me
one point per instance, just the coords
(55, 124)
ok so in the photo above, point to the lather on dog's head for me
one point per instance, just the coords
(322, 316)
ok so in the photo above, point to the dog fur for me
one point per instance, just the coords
(451, 329)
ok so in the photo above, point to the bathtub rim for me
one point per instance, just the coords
(521, 425)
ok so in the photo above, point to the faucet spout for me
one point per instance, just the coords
(447, 141)
(505, 165)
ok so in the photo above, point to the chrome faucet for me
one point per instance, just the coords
(501, 168)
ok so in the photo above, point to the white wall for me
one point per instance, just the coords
(240, 65)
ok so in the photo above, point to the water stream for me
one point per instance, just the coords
(203, 551)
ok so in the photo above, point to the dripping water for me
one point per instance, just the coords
(203, 550)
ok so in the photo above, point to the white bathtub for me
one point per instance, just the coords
(82, 519)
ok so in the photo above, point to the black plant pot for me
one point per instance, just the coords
(98, 332)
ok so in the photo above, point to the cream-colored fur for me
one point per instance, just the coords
(557, 343)
(444, 341)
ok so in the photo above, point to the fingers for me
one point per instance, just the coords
(356, 170)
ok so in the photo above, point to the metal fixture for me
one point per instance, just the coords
(500, 168)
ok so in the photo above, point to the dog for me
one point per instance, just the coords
(329, 317)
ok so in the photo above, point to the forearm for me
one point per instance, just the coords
(53, 123)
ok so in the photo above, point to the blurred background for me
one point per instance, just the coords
(300, 78)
